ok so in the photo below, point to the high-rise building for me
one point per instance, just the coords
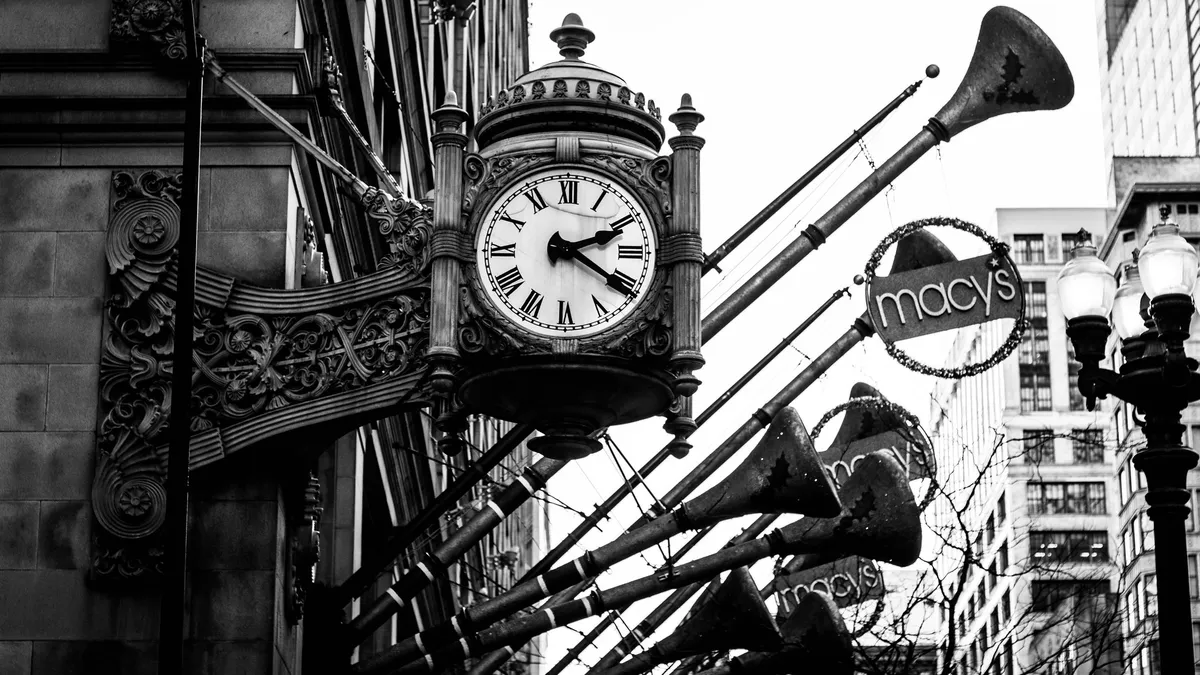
(1027, 473)
(1150, 88)
(91, 134)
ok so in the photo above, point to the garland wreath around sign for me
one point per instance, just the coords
(881, 404)
(998, 248)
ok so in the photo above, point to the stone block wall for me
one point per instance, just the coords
(54, 210)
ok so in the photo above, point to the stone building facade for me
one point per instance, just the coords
(91, 127)
(1030, 473)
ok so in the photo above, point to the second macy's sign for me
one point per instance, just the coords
(944, 297)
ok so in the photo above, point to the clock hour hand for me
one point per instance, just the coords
(613, 281)
(561, 248)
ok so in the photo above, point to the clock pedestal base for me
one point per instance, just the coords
(568, 401)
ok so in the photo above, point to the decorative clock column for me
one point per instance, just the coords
(447, 242)
(682, 249)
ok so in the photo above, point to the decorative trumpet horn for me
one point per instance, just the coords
(866, 428)
(734, 617)
(880, 519)
(782, 474)
(1015, 68)
(814, 633)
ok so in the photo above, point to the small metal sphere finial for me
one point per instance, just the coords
(932, 70)
(572, 37)
(859, 280)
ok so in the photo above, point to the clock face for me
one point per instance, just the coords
(566, 253)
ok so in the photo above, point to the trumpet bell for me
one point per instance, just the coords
(733, 617)
(783, 474)
(879, 520)
(1015, 68)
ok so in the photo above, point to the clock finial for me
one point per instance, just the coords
(572, 37)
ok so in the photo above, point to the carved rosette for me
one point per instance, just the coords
(153, 24)
(257, 353)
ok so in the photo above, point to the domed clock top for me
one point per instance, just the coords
(566, 252)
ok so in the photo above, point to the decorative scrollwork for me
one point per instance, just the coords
(155, 23)
(485, 175)
(247, 364)
(405, 224)
(651, 178)
(478, 331)
(650, 335)
(248, 361)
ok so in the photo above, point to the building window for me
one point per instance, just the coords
(1151, 595)
(1190, 522)
(1087, 446)
(1039, 446)
(991, 528)
(1069, 546)
(1055, 498)
(1029, 249)
(1002, 556)
(1034, 352)
(1008, 657)
(1196, 640)
(1005, 607)
(1001, 509)
(1193, 589)
(1047, 594)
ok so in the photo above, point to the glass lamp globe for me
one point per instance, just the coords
(1127, 307)
(1168, 263)
(1085, 285)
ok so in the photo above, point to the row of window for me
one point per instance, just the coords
(1087, 547)
(1033, 357)
(1047, 499)
(1087, 446)
(1136, 538)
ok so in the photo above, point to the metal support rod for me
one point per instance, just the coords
(494, 660)
(435, 563)
(1166, 462)
(757, 368)
(671, 605)
(860, 330)
(173, 619)
(713, 260)
(361, 580)
(816, 234)
(486, 613)
(809, 535)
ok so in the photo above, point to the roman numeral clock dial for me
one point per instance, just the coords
(566, 253)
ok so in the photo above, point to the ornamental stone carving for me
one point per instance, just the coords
(154, 24)
(266, 363)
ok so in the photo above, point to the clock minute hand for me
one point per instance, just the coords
(611, 280)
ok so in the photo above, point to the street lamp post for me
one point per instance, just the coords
(1151, 313)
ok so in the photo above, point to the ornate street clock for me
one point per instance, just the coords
(566, 257)
(566, 253)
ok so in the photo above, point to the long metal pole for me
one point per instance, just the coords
(712, 260)
(491, 611)
(626, 488)
(434, 563)
(1166, 462)
(490, 663)
(808, 535)
(404, 536)
(173, 620)
(814, 235)
(668, 607)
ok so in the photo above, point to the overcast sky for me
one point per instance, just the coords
(780, 84)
